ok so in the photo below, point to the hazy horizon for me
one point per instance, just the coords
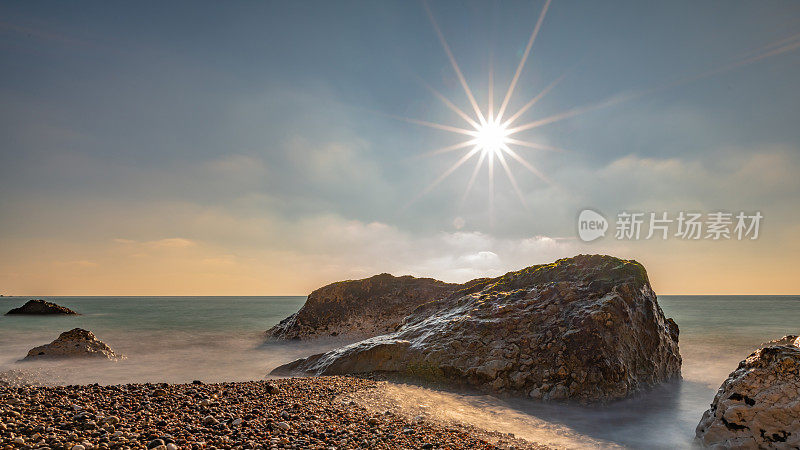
(275, 147)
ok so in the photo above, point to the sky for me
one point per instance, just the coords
(269, 148)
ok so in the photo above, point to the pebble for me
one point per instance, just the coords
(210, 420)
(303, 412)
(155, 443)
(159, 393)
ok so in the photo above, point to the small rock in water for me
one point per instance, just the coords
(41, 307)
(75, 343)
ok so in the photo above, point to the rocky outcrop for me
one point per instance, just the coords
(41, 307)
(758, 406)
(360, 308)
(587, 328)
(75, 343)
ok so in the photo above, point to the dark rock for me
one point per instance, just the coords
(362, 308)
(155, 443)
(74, 343)
(757, 406)
(36, 307)
(586, 328)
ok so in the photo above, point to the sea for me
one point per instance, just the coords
(215, 339)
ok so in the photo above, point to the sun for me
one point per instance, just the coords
(491, 137)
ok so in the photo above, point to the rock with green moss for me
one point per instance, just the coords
(587, 328)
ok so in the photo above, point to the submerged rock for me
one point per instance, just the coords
(586, 328)
(362, 308)
(758, 405)
(75, 343)
(41, 307)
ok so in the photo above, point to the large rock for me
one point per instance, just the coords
(41, 307)
(361, 308)
(586, 328)
(758, 406)
(75, 343)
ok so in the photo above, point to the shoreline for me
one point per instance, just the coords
(302, 412)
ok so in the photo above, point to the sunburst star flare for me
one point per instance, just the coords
(491, 136)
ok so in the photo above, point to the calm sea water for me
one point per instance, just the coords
(179, 339)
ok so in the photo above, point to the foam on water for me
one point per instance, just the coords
(179, 339)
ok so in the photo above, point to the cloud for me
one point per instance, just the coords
(725, 179)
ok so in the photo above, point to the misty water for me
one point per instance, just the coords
(180, 339)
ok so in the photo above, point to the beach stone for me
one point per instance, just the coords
(41, 307)
(587, 329)
(758, 405)
(283, 426)
(159, 393)
(110, 420)
(75, 343)
(360, 308)
(210, 420)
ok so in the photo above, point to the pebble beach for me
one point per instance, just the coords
(296, 413)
